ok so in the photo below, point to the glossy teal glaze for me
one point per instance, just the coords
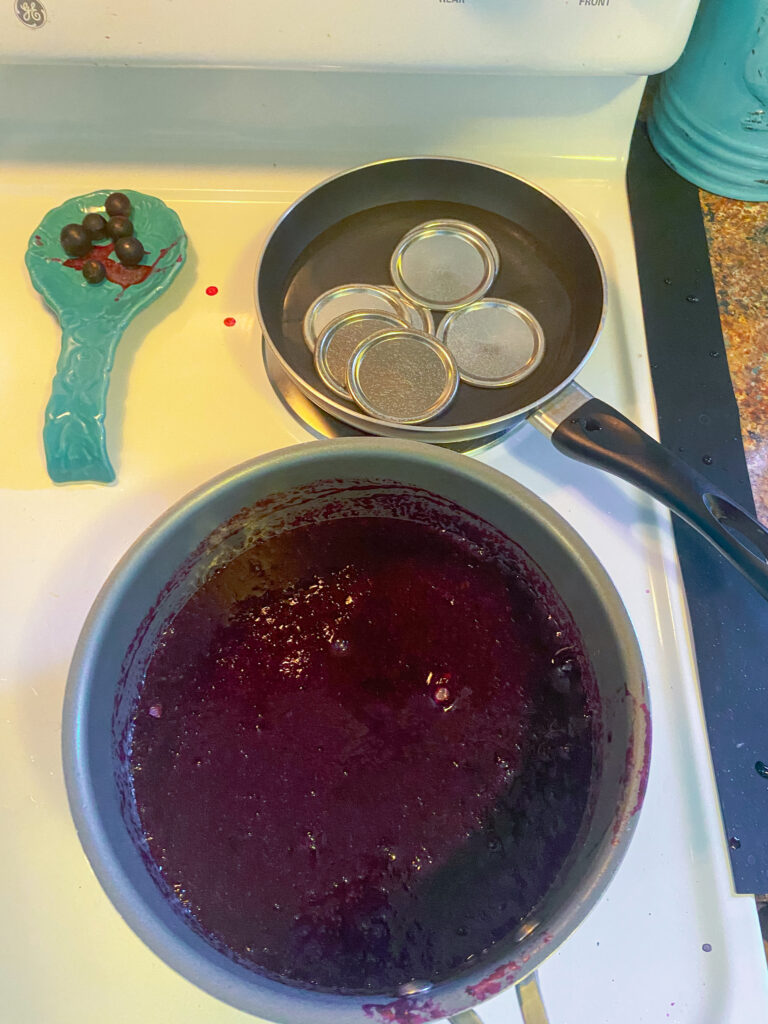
(710, 118)
(93, 318)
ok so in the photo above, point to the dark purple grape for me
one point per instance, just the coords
(93, 271)
(95, 225)
(118, 205)
(119, 227)
(129, 251)
(75, 240)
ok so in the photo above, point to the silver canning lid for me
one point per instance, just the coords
(339, 340)
(464, 225)
(403, 376)
(349, 298)
(494, 342)
(444, 264)
(418, 316)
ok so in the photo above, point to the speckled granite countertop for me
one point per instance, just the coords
(737, 234)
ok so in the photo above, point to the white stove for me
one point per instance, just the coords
(229, 150)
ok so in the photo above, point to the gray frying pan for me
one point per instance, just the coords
(345, 230)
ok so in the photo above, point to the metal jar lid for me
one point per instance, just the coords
(349, 298)
(482, 235)
(403, 376)
(444, 264)
(418, 316)
(339, 340)
(494, 342)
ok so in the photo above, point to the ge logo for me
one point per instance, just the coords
(30, 13)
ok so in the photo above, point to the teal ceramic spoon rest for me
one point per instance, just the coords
(93, 318)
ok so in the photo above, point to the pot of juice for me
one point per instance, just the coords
(356, 732)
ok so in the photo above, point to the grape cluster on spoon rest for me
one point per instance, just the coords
(78, 239)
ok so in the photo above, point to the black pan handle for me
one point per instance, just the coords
(592, 431)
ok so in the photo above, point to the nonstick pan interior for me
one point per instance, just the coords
(345, 230)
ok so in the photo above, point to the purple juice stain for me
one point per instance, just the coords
(360, 756)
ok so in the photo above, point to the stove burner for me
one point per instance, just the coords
(320, 424)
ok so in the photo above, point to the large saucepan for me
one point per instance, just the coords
(117, 638)
(345, 230)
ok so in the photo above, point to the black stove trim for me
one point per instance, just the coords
(699, 418)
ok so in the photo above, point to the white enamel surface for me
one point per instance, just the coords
(190, 397)
(582, 36)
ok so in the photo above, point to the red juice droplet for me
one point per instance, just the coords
(229, 321)
(211, 290)
(116, 272)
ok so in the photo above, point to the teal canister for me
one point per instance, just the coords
(710, 117)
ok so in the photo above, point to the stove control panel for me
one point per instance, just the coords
(584, 37)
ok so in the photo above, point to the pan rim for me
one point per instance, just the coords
(436, 433)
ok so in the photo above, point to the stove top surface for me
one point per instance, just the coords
(191, 396)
